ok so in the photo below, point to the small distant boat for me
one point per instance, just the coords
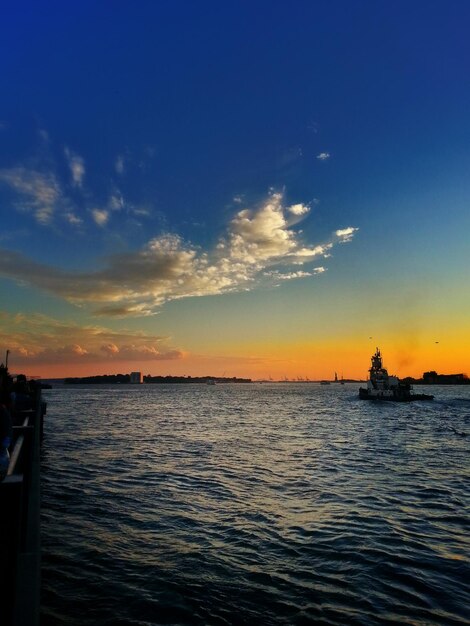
(325, 382)
(381, 386)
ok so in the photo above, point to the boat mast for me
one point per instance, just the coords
(376, 361)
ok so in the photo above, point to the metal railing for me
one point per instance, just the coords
(19, 523)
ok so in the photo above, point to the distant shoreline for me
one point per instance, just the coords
(123, 379)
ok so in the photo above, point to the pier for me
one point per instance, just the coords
(20, 545)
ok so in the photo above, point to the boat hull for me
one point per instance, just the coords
(403, 397)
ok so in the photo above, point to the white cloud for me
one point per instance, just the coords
(298, 209)
(346, 234)
(323, 156)
(101, 216)
(77, 167)
(258, 236)
(168, 268)
(296, 213)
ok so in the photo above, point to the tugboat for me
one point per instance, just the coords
(381, 386)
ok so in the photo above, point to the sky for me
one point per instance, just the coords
(264, 189)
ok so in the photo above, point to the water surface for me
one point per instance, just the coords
(254, 504)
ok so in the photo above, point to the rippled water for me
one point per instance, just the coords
(254, 504)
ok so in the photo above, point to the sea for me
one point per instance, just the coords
(273, 503)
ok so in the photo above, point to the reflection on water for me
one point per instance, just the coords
(254, 504)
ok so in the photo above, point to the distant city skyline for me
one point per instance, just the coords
(263, 190)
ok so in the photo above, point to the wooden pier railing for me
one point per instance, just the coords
(20, 546)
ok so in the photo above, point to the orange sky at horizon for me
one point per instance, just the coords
(314, 361)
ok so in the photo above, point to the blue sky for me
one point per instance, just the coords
(136, 135)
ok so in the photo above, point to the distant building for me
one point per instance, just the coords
(433, 378)
(136, 378)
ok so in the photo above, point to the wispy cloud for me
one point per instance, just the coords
(77, 167)
(116, 200)
(39, 191)
(289, 157)
(168, 268)
(73, 219)
(313, 127)
(119, 164)
(323, 156)
(281, 276)
(41, 339)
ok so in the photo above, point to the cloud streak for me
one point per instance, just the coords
(256, 242)
(27, 336)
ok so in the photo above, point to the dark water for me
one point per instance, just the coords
(254, 504)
